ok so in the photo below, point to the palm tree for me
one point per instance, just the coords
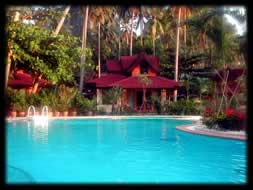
(143, 18)
(134, 12)
(85, 12)
(177, 52)
(129, 12)
(99, 16)
(157, 16)
(60, 24)
(186, 12)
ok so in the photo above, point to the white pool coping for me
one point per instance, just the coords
(200, 129)
(190, 117)
(195, 128)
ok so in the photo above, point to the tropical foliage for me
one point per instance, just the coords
(39, 53)
(71, 44)
(230, 119)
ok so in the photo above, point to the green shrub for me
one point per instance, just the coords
(83, 104)
(111, 96)
(21, 104)
(33, 100)
(11, 97)
(181, 107)
(65, 96)
(156, 102)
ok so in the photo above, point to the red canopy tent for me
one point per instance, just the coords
(25, 80)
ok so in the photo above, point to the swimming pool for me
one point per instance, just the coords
(133, 150)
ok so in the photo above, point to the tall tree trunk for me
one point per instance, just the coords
(177, 52)
(119, 48)
(187, 89)
(131, 37)
(8, 67)
(185, 36)
(60, 24)
(141, 39)
(84, 39)
(10, 53)
(99, 61)
(185, 30)
(153, 46)
(127, 38)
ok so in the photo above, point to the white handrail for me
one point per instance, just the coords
(28, 111)
(39, 119)
(44, 110)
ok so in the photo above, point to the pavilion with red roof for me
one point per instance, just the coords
(22, 80)
(125, 73)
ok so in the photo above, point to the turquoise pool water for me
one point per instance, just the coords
(120, 151)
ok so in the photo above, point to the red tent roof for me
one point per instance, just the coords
(19, 83)
(157, 82)
(107, 80)
(23, 80)
(15, 83)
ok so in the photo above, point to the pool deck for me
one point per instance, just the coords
(196, 128)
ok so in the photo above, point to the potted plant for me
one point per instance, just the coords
(55, 104)
(73, 108)
(34, 100)
(65, 95)
(156, 102)
(91, 106)
(73, 112)
(79, 102)
(45, 100)
(84, 105)
(11, 100)
(21, 104)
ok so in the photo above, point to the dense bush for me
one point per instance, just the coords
(21, 104)
(16, 100)
(84, 105)
(181, 107)
(65, 96)
(156, 102)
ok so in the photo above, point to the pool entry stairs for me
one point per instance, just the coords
(36, 118)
